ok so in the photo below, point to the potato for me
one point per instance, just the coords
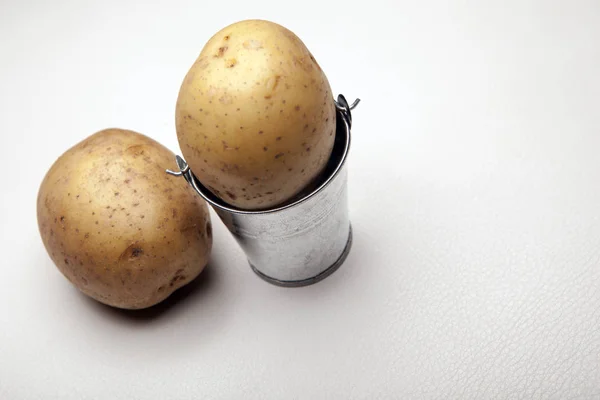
(117, 226)
(255, 115)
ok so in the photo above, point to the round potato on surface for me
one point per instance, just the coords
(117, 226)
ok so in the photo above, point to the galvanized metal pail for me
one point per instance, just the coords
(304, 240)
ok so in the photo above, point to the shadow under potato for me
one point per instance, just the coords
(195, 290)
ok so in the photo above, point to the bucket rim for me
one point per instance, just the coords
(342, 112)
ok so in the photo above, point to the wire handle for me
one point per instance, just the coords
(342, 105)
(183, 167)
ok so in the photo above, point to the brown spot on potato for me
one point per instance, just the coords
(230, 63)
(177, 277)
(278, 155)
(136, 252)
(221, 51)
(231, 195)
(132, 252)
(225, 145)
(278, 138)
(265, 148)
(225, 99)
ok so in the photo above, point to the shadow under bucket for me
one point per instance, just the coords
(306, 239)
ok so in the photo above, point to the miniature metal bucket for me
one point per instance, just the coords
(302, 241)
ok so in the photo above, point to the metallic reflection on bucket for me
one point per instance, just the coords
(304, 240)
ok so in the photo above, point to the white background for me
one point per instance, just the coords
(475, 201)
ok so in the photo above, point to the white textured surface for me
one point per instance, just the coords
(475, 201)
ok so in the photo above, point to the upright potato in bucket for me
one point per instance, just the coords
(255, 115)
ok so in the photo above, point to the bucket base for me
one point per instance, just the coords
(314, 279)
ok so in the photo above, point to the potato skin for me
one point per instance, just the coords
(117, 226)
(255, 115)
